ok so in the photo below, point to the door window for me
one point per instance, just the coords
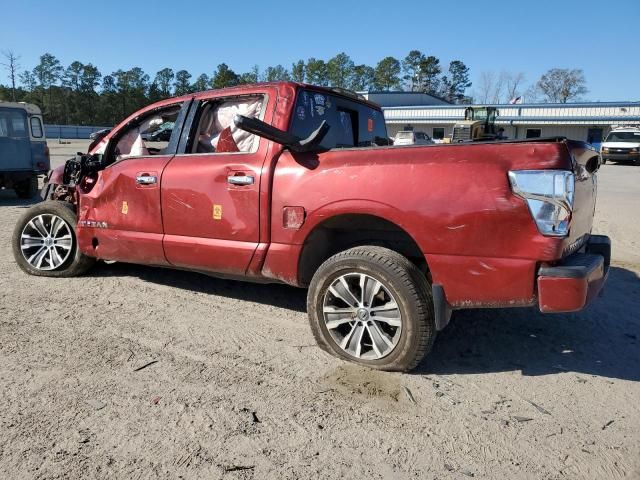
(214, 130)
(149, 135)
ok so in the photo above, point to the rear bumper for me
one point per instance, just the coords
(572, 283)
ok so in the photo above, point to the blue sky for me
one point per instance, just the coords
(602, 38)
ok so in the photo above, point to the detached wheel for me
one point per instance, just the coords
(27, 189)
(44, 241)
(372, 306)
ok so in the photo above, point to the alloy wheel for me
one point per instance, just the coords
(46, 242)
(362, 316)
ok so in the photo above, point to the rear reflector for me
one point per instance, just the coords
(293, 217)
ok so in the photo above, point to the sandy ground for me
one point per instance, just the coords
(133, 372)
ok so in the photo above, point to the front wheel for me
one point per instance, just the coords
(44, 241)
(372, 306)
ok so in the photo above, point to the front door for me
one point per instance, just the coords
(122, 215)
(211, 191)
(120, 218)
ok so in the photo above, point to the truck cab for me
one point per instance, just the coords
(622, 145)
(23, 148)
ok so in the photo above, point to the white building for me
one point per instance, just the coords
(588, 122)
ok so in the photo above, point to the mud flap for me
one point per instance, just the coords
(441, 308)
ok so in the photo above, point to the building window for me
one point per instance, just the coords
(438, 133)
(534, 132)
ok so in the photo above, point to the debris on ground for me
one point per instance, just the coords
(145, 365)
(409, 395)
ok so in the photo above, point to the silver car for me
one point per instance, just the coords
(409, 137)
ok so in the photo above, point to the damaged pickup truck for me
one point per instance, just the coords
(285, 182)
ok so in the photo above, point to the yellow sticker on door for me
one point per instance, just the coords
(217, 212)
(125, 208)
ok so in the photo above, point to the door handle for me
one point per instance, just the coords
(240, 179)
(146, 179)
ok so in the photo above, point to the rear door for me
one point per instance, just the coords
(15, 145)
(211, 188)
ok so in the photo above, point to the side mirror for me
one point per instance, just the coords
(292, 142)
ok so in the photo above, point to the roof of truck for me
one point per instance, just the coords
(29, 107)
(341, 92)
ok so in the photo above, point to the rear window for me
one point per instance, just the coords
(13, 123)
(352, 124)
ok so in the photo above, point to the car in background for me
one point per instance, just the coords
(99, 134)
(23, 148)
(409, 137)
(161, 134)
(622, 145)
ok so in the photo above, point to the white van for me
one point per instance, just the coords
(622, 145)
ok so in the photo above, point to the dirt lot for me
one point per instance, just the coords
(234, 387)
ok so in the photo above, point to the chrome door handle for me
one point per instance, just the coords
(146, 179)
(240, 179)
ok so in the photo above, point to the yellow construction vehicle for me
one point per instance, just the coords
(479, 125)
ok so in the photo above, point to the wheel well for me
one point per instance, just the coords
(346, 231)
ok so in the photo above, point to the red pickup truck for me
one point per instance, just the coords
(285, 182)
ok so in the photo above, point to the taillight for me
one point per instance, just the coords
(549, 195)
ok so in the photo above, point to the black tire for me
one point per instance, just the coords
(27, 189)
(75, 264)
(403, 280)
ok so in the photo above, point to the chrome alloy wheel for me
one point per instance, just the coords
(46, 242)
(362, 316)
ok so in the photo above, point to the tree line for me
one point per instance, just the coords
(558, 85)
(80, 94)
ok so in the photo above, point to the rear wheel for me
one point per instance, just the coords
(44, 241)
(27, 188)
(370, 305)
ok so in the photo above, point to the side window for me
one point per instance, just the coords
(150, 135)
(36, 127)
(214, 130)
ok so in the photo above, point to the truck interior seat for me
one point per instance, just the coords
(216, 124)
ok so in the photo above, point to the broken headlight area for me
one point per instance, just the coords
(82, 170)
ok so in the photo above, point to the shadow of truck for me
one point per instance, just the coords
(602, 340)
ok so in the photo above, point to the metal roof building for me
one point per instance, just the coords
(580, 121)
